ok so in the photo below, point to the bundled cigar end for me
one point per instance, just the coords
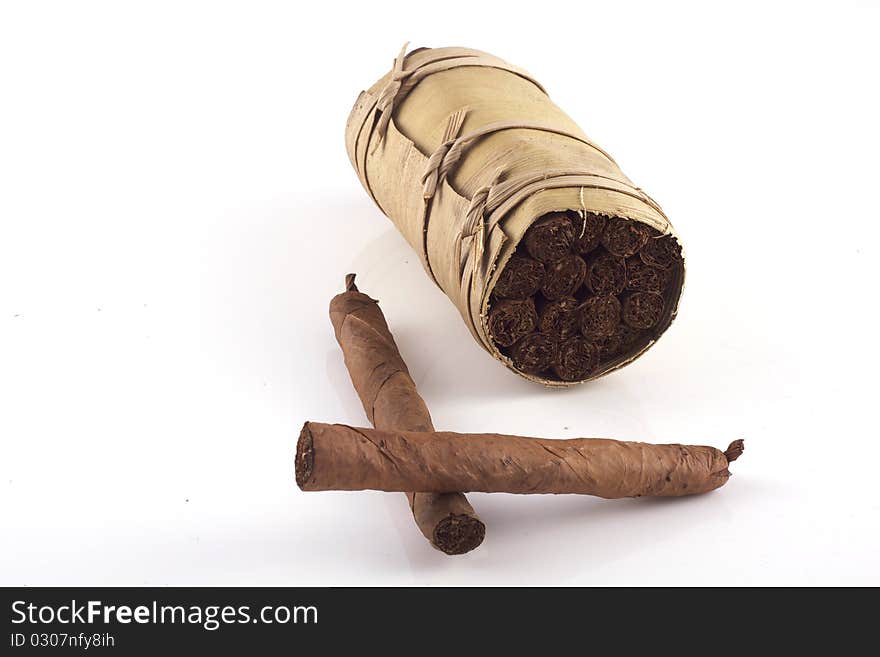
(458, 534)
(304, 464)
(616, 280)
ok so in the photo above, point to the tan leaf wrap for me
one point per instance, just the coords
(463, 152)
(352, 458)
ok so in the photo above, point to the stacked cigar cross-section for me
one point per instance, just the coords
(580, 291)
(403, 452)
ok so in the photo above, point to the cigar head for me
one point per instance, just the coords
(305, 457)
(457, 534)
(735, 450)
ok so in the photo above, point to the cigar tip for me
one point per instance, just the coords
(459, 533)
(305, 456)
(349, 283)
(735, 450)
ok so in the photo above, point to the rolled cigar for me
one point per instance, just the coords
(560, 318)
(534, 353)
(520, 278)
(621, 340)
(348, 458)
(642, 310)
(550, 237)
(628, 336)
(576, 358)
(600, 316)
(592, 226)
(607, 346)
(606, 274)
(391, 401)
(563, 277)
(641, 277)
(624, 237)
(512, 319)
(663, 251)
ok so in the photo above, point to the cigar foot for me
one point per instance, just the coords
(304, 463)
(457, 534)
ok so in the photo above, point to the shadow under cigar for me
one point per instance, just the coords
(581, 534)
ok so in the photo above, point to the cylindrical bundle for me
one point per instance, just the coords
(349, 458)
(464, 153)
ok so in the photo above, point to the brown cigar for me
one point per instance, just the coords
(340, 457)
(623, 339)
(391, 401)
(624, 237)
(563, 277)
(645, 278)
(534, 353)
(663, 251)
(588, 232)
(520, 278)
(606, 274)
(512, 319)
(642, 310)
(561, 318)
(600, 316)
(576, 358)
(550, 238)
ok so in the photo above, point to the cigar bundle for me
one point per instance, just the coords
(560, 266)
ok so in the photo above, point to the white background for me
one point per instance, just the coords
(178, 209)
